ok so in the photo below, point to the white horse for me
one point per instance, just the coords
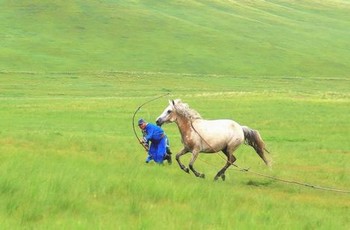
(209, 136)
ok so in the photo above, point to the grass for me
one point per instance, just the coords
(259, 38)
(70, 160)
(72, 75)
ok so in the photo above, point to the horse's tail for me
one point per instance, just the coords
(253, 138)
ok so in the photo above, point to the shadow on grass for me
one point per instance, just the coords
(259, 183)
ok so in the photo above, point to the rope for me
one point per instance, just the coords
(247, 170)
(293, 182)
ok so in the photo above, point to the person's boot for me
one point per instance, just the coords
(168, 158)
(168, 154)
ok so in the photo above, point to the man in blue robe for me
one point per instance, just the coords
(157, 150)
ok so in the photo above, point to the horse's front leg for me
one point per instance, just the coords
(193, 159)
(182, 166)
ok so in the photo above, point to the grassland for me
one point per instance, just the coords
(72, 74)
(255, 38)
(69, 158)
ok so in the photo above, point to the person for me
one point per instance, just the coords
(158, 150)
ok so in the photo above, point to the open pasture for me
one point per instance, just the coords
(72, 73)
(69, 158)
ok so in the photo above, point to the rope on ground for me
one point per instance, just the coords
(292, 181)
(247, 170)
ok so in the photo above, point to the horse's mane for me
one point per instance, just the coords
(184, 110)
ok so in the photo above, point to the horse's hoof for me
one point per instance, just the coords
(202, 175)
(187, 170)
(223, 177)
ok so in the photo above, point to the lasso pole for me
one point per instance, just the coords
(133, 117)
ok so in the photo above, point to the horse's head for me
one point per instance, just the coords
(169, 113)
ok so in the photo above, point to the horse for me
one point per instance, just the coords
(209, 136)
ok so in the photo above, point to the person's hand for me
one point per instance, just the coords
(145, 144)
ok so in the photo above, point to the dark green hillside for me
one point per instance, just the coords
(262, 38)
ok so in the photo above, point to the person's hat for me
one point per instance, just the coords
(141, 121)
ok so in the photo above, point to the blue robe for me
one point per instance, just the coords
(156, 136)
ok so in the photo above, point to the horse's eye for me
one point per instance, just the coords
(169, 111)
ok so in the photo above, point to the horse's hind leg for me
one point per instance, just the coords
(230, 160)
(182, 166)
(193, 159)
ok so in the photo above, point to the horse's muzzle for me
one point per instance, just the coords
(159, 122)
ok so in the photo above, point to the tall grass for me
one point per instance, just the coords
(69, 158)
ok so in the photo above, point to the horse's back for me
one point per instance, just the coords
(222, 129)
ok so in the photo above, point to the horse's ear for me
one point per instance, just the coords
(173, 102)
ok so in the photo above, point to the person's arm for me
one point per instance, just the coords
(149, 133)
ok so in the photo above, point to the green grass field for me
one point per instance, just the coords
(73, 73)
(255, 38)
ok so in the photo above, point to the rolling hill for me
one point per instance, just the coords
(239, 38)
